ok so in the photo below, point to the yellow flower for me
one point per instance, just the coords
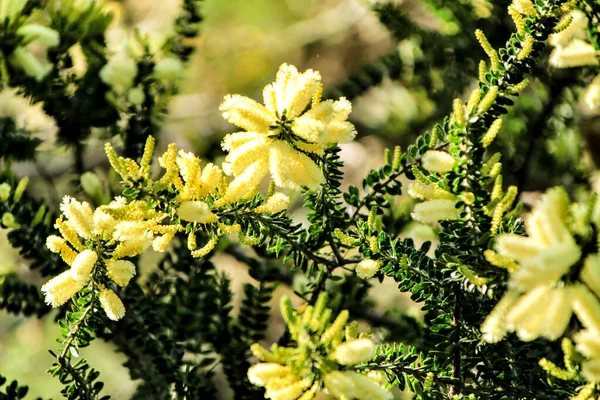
(83, 264)
(279, 136)
(433, 211)
(61, 288)
(366, 269)
(120, 271)
(195, 211)
(549, 250)
(112, 304)
(322, 347)
(274, 204)
(438, 161)
(355, 352)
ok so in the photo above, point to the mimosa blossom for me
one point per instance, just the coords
(280, 138)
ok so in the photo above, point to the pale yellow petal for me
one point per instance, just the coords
(292, 169)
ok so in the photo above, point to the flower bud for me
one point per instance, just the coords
(24, 59)
(119, 74)
(120, 271)
(112, 304)
(169, 69)
(91, 185)
(5, 190)
(354, 352)
(366, 269)
(20, 189)
(194, 211)
(8, 220)
(40, 33)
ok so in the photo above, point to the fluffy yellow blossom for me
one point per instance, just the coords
(61, 288)
(549, 250)
(539, 303)
(525, 7)
(128, 228)
(279, 136)
(111, 304)
(120, 271)
(355, 352)
(339, 385)
(195, 211)
(316, 359)
(274, 204)
(432, 211)
(58, 245)
(79, 216)
(260, 374)
(438, 161)
(541, 312)
(84, 263)
(366, 269)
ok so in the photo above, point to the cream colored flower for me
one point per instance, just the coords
(438, 161)
(120, 271)
(549, 250)
(61, 288)
(433, 211)
(279, 136)
(355, 352)
(112, 304)
(366, 269)
(576, 54)
(84, 263)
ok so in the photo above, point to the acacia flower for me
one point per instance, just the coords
(320, 361)
(119, 229)
(540, 300)
(280, 138)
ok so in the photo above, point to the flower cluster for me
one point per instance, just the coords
(96, 244)
(191, 195)
(321, 361)
(188, 196)
(282, 138)
(550, 279)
